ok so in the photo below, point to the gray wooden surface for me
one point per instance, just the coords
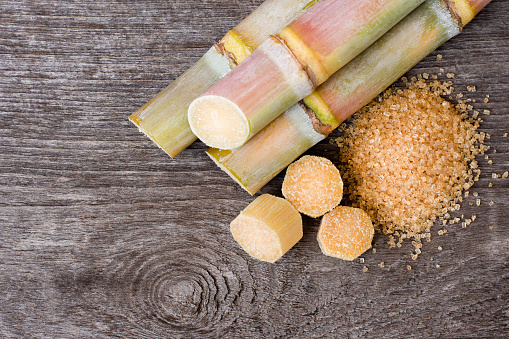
(104, 236)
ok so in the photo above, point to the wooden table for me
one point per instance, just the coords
(104, 236)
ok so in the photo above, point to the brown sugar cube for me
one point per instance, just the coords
(345, 233)
(313, 185)
(267, 228)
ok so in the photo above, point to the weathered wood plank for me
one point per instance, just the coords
(103, 235)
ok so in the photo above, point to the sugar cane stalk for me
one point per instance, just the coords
(259, 160)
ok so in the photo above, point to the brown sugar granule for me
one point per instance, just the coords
(408, 156)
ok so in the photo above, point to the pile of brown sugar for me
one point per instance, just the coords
(407, 157)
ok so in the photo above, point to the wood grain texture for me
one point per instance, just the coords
(104, 236)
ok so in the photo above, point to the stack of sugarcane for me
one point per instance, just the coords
(288, 66)
(308, 59)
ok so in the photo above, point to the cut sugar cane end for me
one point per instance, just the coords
(232, 110)
(313, 185)
(267, 228)
(219, 122)
(345, 233)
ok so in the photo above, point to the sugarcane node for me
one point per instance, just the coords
(305, 67)
(324, 129)
(228, 55)
(454, 12)
(311, 75)
(309, 72)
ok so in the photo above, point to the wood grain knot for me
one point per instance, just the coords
(182, 288)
